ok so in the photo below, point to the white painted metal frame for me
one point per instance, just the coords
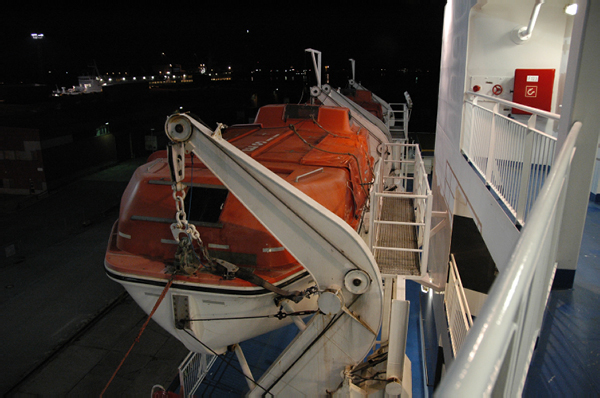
(398, 123)
(496, 354)
(513, 157)
(193, 370)
(330, 250)
(457, 308)
(408, 162)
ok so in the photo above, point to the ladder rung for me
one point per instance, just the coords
(398, 249)
(398, 222)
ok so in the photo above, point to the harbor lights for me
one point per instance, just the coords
(38, 37)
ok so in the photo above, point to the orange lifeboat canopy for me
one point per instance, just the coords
(316, 149)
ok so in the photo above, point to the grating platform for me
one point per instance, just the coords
(395, 262)
(398, 133)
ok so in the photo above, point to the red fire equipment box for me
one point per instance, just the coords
(533, 87)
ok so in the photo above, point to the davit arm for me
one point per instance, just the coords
(351, 293)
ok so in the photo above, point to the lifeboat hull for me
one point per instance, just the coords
(315, 148)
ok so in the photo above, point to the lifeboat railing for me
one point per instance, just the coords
(513, 154)
(497, 351)
(458, 314)
(397, 120)
(406, 183)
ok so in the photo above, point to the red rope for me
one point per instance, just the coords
(160, 299)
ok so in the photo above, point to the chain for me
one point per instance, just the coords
(182, 224)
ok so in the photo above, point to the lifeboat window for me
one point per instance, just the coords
(301, 112)
(207, 203)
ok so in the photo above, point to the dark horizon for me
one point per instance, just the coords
(132, 40)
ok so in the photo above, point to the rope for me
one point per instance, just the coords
(137, 339)
(360, 176)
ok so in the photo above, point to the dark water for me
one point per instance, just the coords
(134, 111)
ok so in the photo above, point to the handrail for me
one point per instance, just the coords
(458, 313)
(512, 156)
(517, 122)
(497, 351)
(397, 120)
(536, 111)
(193, 370)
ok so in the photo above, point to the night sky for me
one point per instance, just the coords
(128, 38)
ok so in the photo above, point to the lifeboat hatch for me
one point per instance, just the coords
(206, 203)
(181, 311)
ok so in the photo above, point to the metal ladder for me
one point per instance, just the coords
(401, 212)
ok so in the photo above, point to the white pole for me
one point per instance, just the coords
(316, 57)
(244, 365)
(297, 320)
(397, 342)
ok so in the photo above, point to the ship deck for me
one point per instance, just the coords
(565, 362)
(72, 344)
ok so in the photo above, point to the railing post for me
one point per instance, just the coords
(526, 171)
(403, 156)
(469, 139)
(378, 187)
(405, 120)
(425, 253)
(472, 126)
(491, 160)
(374, 201)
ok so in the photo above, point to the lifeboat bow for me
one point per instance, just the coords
(350, 289)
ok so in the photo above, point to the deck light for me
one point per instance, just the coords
(571, 9)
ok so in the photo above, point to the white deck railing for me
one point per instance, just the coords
(513, 156)
(406, 164)
(496, 354)
(193, 370)
(457, 308)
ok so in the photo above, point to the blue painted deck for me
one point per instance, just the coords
(226, 379)
(566, 362)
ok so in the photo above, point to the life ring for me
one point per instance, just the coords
(497, 89)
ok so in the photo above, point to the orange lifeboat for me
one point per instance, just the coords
(317, 149)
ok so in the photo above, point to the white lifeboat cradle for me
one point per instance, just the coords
(361, 306)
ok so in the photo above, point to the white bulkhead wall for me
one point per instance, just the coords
(493, 52)
(477, 42)
(454, 181)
